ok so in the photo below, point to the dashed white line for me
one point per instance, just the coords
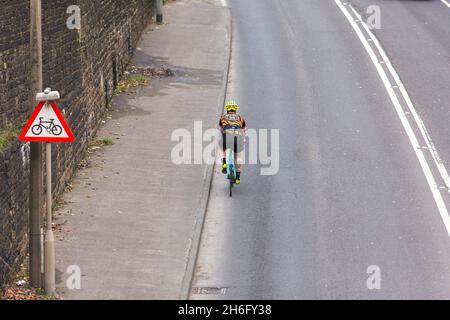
(446, 3)
(400, 112)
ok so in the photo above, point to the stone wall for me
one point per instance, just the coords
(84, 66)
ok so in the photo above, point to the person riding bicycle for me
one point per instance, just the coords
(233, 128)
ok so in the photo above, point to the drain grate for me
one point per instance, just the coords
(217, 291)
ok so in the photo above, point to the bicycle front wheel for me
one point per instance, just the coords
(57, 130)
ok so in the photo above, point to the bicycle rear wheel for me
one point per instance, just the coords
(231, 182)
(37, 130)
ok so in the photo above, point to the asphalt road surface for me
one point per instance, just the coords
(358, 208)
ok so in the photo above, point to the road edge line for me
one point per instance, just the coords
(445, 2)
(209, 174)
(419, 122)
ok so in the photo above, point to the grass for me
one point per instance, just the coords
(7, 136)
(131, 81)
(107, 141)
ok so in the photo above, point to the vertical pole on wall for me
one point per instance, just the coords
(159, 11)
(36, 174)
(49, 242)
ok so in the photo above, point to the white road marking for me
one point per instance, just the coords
(401, 113)
(420, 124)
(224, 3)
(446, 3)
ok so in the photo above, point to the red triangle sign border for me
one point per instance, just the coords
(61, 119)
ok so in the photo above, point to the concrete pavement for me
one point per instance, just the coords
(132, 218)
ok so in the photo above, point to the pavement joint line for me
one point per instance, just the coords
(188, 278)
(400, 112)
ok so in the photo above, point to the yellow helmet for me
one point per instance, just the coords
(232, 106)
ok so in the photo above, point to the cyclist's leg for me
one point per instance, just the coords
(239, 154)
(239, 161)
(223, 152)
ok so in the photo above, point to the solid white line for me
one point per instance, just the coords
(403, 119)
(420, 124)
(446, 3)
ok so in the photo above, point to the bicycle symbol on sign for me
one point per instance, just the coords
(49, 126)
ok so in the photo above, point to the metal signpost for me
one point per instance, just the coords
(159, 11)
(36, 175)
(47, 125)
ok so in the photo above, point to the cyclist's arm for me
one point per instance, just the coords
(220, 124)
(244, 126)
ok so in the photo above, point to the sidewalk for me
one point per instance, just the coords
(132, 218)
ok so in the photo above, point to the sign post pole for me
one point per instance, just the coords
(36, 176)
(49, 242)
(159, 11)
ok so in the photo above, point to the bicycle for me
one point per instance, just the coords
(231, 166)
(52, 128)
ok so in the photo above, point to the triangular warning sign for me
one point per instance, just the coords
(46, 125)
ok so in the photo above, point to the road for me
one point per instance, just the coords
(353, 192)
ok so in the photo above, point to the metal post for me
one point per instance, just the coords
(49, 242)
(36, 173)
(159, 11)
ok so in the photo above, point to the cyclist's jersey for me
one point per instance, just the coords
(232, 122)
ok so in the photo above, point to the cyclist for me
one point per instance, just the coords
(232, 125)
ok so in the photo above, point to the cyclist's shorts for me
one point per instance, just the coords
(228, 140)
